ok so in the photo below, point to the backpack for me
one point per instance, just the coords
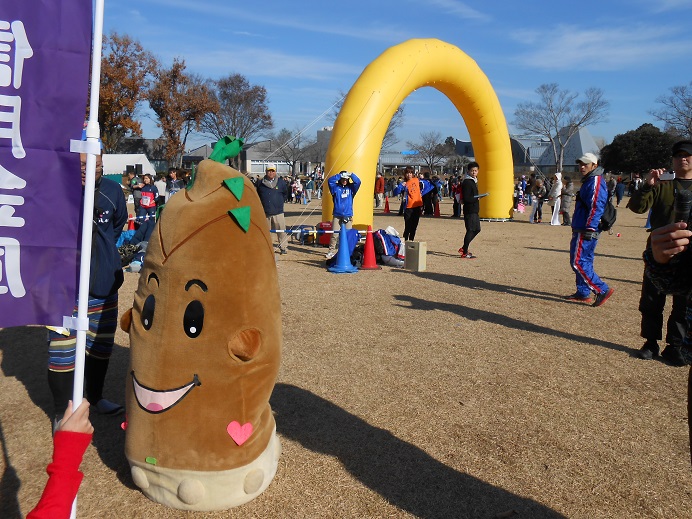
(609, 216)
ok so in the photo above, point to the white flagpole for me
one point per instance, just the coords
(92, 134)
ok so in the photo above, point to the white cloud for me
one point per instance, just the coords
(458, 9)
(567, 47)
(136, 16)
(373, 31)
(256, 62)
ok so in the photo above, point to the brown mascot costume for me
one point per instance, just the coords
(205, 338)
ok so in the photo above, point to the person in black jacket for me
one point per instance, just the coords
(105, 278)
(272, 191)
(469, 197)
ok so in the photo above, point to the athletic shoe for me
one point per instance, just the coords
(107, 407)
(602, 298)
(468, 255)
(649, 350)
(330, 254)
(578, 298)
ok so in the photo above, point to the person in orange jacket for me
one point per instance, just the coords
(413, 188)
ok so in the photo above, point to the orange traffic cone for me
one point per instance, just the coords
(131, 222)
(437, 209)
(386, 205)
(369, 260)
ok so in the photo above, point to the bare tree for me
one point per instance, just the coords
(292, 147)
(455, 162)
(676, 112)
(397, 121)
(432, 150)
(558, 115)
(179, 101)
(242, 109)
(126, 70)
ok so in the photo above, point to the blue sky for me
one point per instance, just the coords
(305, 52)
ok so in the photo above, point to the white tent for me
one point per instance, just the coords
(115, 163)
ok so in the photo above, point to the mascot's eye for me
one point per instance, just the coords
(193, 320)
(148, 312)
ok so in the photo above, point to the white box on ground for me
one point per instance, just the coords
(415, 256)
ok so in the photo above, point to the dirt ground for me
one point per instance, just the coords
(468, 390)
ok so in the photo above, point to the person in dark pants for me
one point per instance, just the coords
(619, 191)
(469, 197)
(429, 198)
(667, 261)
(658, 196)
(105, 278)
(413, 189)
(455, 193)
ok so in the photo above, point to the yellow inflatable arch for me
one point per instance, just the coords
(370, 104)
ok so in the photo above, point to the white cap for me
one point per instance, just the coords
(588, 158)
(270, 166)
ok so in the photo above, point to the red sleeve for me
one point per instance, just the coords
(63, 476)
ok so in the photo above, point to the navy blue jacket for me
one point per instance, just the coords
(110, 215)
(272, 199)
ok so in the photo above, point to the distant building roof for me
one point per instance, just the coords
(203, 151)
(116, 163)
(580, 143)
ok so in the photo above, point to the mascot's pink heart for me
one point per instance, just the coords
(239, 433)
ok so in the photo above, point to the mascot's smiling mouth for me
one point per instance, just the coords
(155, 401)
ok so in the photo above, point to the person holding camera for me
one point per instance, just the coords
(657, 194)
(343, 188)
(668, 260)
(590, 205)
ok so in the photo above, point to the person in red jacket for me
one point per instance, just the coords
(72, 437)
(379, 190)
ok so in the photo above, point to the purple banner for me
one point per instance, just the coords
(45, 51)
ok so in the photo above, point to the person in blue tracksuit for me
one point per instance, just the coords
(343, 188)
(590, 204)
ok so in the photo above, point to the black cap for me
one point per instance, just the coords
(682, 146)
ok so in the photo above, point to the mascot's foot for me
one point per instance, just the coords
(208, 490)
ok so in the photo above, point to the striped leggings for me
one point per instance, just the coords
(103, 321)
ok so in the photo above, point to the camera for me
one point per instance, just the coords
(668, 175)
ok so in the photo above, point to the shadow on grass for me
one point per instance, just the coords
(402, 473)
(9, 483)
(479, 284)
(25, 357)
(474, 314)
